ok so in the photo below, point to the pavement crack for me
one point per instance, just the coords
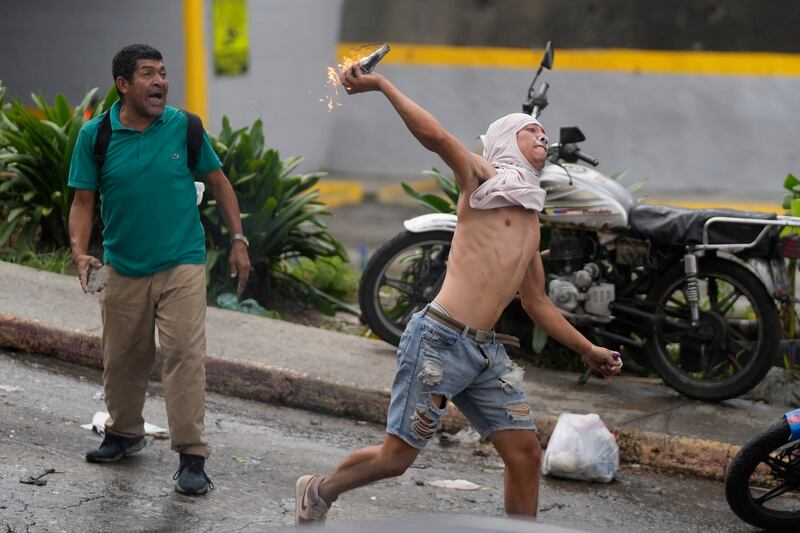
(85, 500)
(245, 526)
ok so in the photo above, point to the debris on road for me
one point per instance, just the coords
(467, 435)
(458, 484)
(551, 507)
(582, 448)
(98, 425)
(37, 480)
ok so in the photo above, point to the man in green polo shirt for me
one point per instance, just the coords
(155, 255)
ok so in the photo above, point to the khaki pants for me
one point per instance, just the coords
(174, 301)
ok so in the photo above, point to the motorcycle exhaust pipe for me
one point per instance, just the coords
(619, 339)
(622, 309)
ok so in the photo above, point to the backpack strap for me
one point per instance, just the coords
(101, 141)
(194, 138)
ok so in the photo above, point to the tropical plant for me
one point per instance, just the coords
(331, 275)
(439, 204)
(280, 216)
(35, 152)
(58, 261)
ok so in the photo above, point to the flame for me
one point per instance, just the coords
(332, 100)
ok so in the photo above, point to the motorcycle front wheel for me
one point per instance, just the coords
(762, 484)
(401, 278)
(735, 343)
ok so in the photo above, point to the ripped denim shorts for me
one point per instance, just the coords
(432, 359)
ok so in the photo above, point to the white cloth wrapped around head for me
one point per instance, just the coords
(516, 182)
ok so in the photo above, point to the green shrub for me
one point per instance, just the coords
(35, 153)
(331, 275)
(59, 261)
(280, 216)
(433, 201)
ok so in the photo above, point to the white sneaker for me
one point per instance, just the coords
(309, 507)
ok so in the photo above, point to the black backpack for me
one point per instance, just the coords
(194, 139)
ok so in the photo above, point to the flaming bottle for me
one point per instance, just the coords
(367, 64)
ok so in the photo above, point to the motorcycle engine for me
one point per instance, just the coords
(576, 282)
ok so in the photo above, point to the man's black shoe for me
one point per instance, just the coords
(113, 448)
(191, 475)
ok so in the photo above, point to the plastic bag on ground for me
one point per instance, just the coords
(98, 425)
(581, 448)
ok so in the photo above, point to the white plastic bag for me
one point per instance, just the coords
(581, 448)
(199, 188)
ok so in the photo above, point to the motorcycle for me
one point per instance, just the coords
(762, 484)
(692, 293)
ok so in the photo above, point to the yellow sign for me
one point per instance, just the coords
(231, 39)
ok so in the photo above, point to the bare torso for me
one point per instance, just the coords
(491, 251)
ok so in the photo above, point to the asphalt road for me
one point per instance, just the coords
(259, 451)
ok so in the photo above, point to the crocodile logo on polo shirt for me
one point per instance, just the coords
(175, 155)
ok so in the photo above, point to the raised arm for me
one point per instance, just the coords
(547, 316)
(467, 167)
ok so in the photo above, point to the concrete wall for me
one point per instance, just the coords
(742, 25)
(56, 46)
(291, 45)
(735, 134)
(686, 133)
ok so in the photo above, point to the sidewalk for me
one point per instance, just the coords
(289, 364)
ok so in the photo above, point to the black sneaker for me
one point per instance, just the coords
(191, 476)
(113, 448)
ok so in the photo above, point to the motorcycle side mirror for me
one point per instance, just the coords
(547, 59)
(570, 135)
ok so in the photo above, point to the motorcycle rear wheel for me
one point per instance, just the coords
(738, 338)
(401, 278)
(762, 484)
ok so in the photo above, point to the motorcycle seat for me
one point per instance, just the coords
(680, 226)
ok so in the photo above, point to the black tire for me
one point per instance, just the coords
(422, 286)
(738, 480)
(747, 367)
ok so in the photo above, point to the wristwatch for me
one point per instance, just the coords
(240, 237)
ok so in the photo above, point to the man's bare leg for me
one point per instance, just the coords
(522, 455)
(366, 465)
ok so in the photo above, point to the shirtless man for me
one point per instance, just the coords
(441, 357)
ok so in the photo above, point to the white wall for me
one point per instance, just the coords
(686, 133)
(291, 44)
(55, 46)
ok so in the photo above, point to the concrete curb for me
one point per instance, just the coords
(674, 454)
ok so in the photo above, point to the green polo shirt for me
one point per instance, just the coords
(147, 192)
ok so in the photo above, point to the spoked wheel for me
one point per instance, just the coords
(763, 481)
(731, 349)
(401, 277)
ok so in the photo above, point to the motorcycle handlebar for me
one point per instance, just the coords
(543, 92)
(539, 100)
(570, 153)
(588, 158)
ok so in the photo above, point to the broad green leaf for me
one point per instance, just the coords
(790, 182)
(619, 175)
(437, 203)
(539, 339)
